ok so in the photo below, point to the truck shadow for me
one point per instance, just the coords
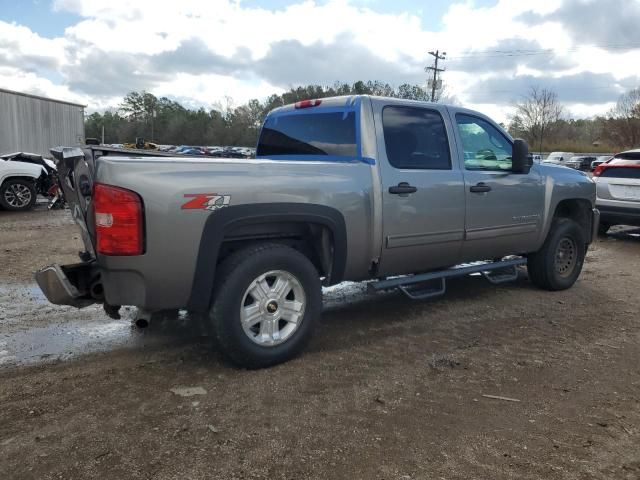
(469, 303)
(354, 317)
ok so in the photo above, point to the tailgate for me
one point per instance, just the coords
(76, 169)
(619, 183)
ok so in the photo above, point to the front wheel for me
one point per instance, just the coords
(267, 300)
(17, 195)
(557, 265)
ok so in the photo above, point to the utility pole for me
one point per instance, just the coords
(435, 69)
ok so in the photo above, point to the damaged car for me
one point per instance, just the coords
(24, 176)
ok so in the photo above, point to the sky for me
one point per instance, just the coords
(202, 52)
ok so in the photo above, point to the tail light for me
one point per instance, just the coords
(118, 221)
(598, 170)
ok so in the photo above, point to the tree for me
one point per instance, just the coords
(165, 121)
(622, 127)
(539, 109)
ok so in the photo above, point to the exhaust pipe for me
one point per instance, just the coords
(142, 323)
(96, 290)
(143, 318)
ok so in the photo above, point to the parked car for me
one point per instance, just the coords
(214, 151)
(600, 160)
(618, 190)
(580, 162)
(191, 151)
(345, 188)
(559, 158)
(22, 177)
(536, 158)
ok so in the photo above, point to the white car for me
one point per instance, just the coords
(19, 183)
(559, 158)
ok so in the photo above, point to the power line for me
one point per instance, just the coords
(547, 51)
(572, 88)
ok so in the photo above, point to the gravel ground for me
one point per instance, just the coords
(389, 388)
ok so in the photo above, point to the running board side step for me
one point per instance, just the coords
(424, 290)
(433, 284)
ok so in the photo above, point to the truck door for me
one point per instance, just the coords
(422, 189)
(503, 209)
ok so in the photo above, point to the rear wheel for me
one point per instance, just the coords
(557, 265)
(267, 300)
(17, 195)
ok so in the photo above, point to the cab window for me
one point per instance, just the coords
(330, 133)
(415, 138)
(484, 146)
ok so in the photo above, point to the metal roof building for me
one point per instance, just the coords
(29, 123)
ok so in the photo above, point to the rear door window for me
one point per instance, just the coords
(415, 138)
(331, 133)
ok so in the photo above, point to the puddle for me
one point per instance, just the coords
(31, 291)
(70, 339)
(33, 331)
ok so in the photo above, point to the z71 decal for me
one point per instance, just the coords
(206, 201)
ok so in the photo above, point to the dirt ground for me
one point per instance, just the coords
(389, 388)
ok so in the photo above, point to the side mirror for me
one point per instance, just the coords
(520, 160)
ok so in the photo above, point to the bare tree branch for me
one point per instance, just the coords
(535, 113)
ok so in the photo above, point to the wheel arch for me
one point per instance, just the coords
(293, 224)
(579, 210)
(21, 176)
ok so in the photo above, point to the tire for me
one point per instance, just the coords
(17, 195)
(603, 228)
(265, 283)
(557, 265)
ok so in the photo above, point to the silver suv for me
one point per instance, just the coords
(618, 190)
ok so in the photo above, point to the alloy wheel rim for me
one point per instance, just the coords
(272, 308)
(17, 195)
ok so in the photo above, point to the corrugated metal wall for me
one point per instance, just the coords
(35, 124)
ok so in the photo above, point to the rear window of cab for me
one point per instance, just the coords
(320, 133)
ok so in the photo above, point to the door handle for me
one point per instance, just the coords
(480, 188)
(402, 188)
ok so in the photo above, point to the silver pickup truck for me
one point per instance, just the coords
(403, 193)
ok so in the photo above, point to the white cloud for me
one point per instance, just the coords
(20, 81)
(122, 45)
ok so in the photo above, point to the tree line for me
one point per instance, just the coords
(166, 121)
(538, 117)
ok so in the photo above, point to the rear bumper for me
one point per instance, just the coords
(619, 215)
(83, 284)
(75, 285)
